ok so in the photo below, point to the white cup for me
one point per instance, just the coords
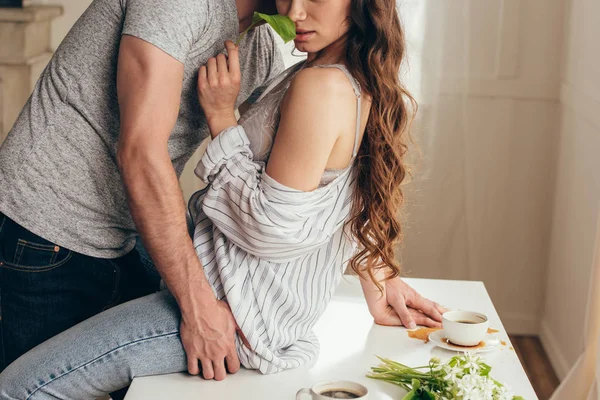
(316, 391)
(463, 333)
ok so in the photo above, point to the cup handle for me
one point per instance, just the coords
(301, 392)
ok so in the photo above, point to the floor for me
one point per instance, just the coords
(536, 364)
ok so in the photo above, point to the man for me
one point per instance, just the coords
(93, 160)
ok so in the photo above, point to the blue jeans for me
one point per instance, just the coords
(46, 289)
(102, 354)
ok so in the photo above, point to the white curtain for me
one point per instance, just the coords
(582, 380)
(477, 207)
(435, 213)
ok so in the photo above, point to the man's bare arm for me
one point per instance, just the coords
(149, 84)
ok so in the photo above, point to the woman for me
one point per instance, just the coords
(311, 173)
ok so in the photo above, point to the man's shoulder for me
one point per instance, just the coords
(183, 10)
(262, 39)
(193, 4)
(262, 47)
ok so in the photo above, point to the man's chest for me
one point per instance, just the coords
(255, 64)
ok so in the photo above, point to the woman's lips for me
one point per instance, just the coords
(303, 36)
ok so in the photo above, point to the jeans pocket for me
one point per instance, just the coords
(22, 250)
(38, 257)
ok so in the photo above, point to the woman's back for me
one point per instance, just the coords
(261, 120)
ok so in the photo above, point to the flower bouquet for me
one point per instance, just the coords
(464, 377)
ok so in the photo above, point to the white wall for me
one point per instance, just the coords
(72, 10)
(482, 209)
(577, 195)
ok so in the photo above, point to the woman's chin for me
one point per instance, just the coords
(303, 47)
(309, 46)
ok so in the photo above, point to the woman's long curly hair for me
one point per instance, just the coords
(375, 50)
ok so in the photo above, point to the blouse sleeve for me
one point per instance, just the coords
(260, 215)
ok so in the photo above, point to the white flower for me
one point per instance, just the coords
(472, 362)
(452, 373)
(477, 387)
(488, 387)
(466, 387)
(503, 393)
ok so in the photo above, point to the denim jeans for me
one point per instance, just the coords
(46, 289)
(101, 354)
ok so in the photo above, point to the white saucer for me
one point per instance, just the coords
(490, 341)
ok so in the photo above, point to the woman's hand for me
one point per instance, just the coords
(401, 305)
(218, 88)
(409, 308)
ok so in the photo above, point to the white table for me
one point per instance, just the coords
(349, 342)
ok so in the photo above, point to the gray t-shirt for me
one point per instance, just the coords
(58, 166)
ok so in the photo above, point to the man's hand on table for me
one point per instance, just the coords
(403, 306)
(209, 339)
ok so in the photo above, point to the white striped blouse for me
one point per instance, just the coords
(275, 254)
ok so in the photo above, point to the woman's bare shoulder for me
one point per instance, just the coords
(322, 89)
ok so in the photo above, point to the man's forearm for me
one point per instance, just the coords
(158, 210)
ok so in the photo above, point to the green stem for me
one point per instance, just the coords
(402, 372)
(245, 32)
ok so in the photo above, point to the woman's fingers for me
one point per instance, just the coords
(389, 318)
(218, 90)
(424, 320)
(398, 302)
(222, 69)
(429, 308)
(415, 301)
(213, 78)
(441, 309)
(203, 75)
(234, 60)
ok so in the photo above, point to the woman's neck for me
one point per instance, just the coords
(332, 54)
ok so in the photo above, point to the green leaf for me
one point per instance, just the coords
(409, 396)
(418, 392)
(423, 394)
(485, 370)
(281, 24)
